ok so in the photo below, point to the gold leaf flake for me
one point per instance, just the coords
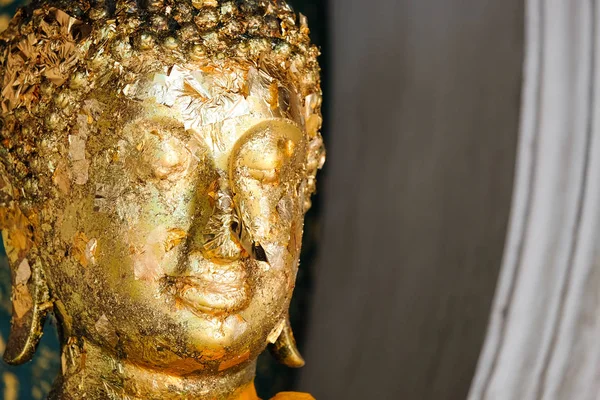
(204, 3)
(65, 21)
(90, 250)
(313, 124)
(80, 242)
(274, 95)
(18, 238)
(77, 147)
(27, 46)
(63, 362)
(61, 178)
(275, 332)
(22, 301)
(23, 273)
(107, 330)
(174, 238)
(145, 266)
(55, 75)
(80, 171)
(93, 109)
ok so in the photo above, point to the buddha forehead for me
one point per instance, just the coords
(215, 103)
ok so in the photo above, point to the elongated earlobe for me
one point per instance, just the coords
(31, 303)
(284, 349)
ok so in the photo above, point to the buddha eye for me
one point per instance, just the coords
(167, 159)
(269, 153)
(158, 152)
(264, 160)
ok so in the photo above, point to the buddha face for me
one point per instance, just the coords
(181, 219)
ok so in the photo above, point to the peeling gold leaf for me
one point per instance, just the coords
(22, 300)
(18, 236)
(313, 124)
(81, 171)
(63, 361)
(23, 272)
(80, 242)
(107, 330)
(17, 239)
(61, 178)
(90, 250)
(274, 95)
(174, 237)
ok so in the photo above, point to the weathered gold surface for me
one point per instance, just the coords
(157, 160)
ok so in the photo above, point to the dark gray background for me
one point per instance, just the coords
(423, 117)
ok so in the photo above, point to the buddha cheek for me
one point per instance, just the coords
(275, 277)
(149, 258)
(284, 250)
(278, 269)
(146, 265)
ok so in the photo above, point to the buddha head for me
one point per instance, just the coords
(157, 161)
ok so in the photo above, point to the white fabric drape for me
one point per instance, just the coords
(543, 340)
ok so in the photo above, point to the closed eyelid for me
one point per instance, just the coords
(268, 157)
(264, 175)
(163, 158)
(270, 137)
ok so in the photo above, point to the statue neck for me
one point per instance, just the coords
(95, 374)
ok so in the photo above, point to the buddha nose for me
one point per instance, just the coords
(221, 243)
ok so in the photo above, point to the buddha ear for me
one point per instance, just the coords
(30, 306)
(284, 349)
(30, 295)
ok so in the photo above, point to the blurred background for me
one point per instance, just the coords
(404, 242)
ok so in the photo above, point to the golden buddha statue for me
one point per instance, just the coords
(157, 160)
